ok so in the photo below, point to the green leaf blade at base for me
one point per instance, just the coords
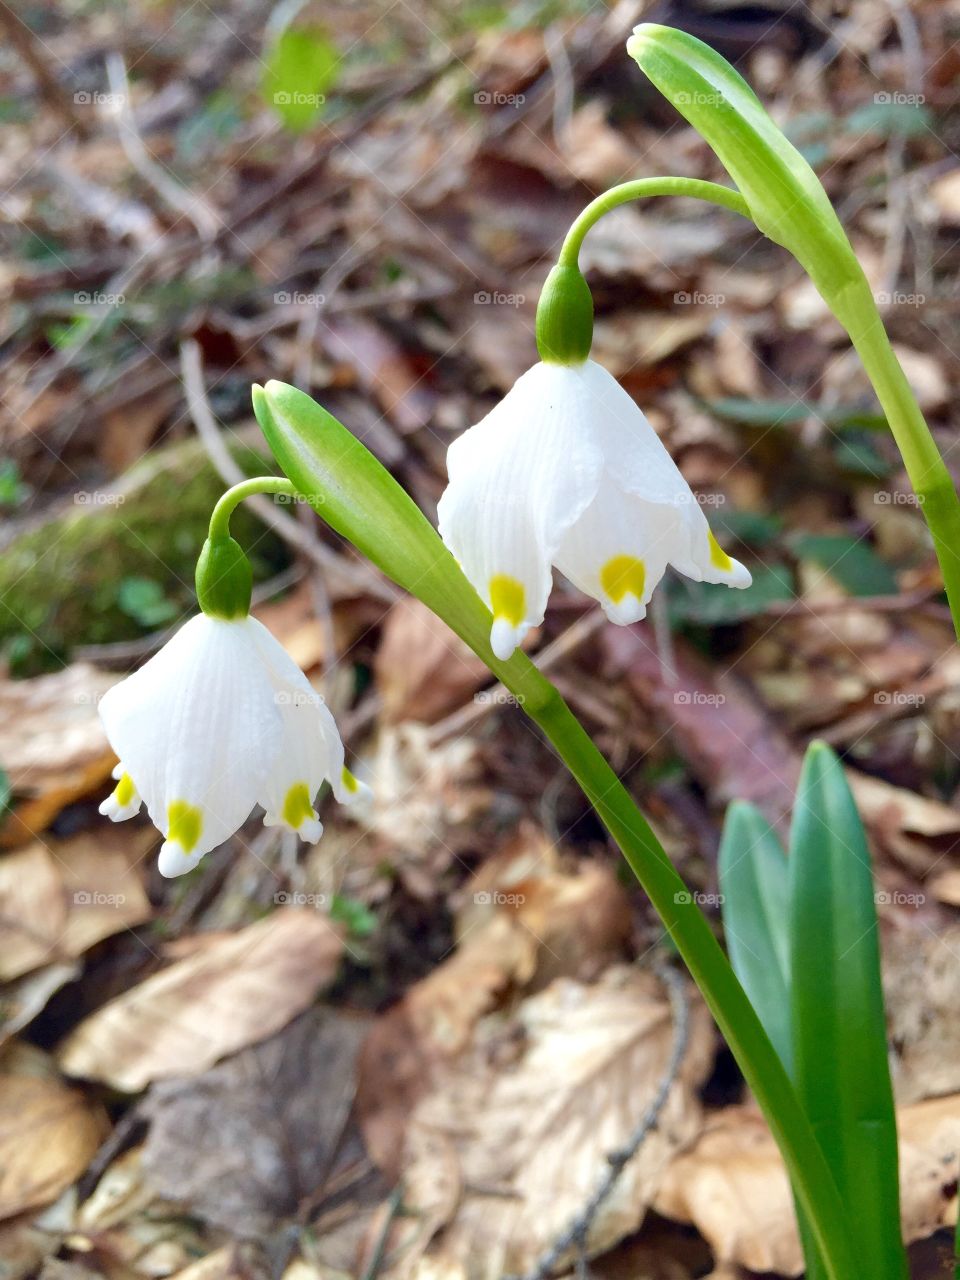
(840, 1061)
(754, 887)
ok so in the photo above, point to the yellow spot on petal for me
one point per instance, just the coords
(297, 806)
(507, 599)
(124, 790)
(184, 824)
(349, 781)
(623, 575)
(718, 557)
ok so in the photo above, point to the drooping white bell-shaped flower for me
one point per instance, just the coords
(567, 471)
(209, 727)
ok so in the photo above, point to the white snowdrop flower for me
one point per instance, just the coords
(567, 471)
(220, 719)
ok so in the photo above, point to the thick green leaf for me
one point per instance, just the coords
(850, 561)
(701, 604)
(839, 1038)
(783, 413)
(301, 67)
(754, 888)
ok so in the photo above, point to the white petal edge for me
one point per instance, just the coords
(617, 551)
(311, 752)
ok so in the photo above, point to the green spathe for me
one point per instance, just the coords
(565, 317)
(785, 197)
(224, 579)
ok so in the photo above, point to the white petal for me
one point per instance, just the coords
(633, 453)
(701, 557)
(311, 752)
(197, 729)
(618, 550)
(637, 459)
(518, 480)
(124, 800)
(174, 861)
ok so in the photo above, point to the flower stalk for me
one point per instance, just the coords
(781, 194)
(359, 499)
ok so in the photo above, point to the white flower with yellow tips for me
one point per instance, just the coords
(567, 471)
(219, 720)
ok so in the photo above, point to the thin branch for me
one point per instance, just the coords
(350, 576)
(186, 203)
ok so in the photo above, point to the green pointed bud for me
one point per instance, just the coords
(785, 197)
(356, 496)
(565, 317)
(224, 579)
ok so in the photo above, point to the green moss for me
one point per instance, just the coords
(62, 585)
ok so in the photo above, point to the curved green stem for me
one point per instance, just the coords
(712, 192)
(929, 477)
(229, 501)
(358, 498)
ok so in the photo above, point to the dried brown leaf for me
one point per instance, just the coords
(233, 993)
(525, 920)
(423, 670)
(732, 1185)
(60, 897)
(52, 745)
(527, 1116)
(48, 1135)
(248, 1142)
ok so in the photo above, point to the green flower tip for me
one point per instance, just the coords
(565, 317)
(277, 403)
(641, 38)
(224, 579)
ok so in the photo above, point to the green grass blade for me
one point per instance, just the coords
(840, 1063)
(754, 887)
